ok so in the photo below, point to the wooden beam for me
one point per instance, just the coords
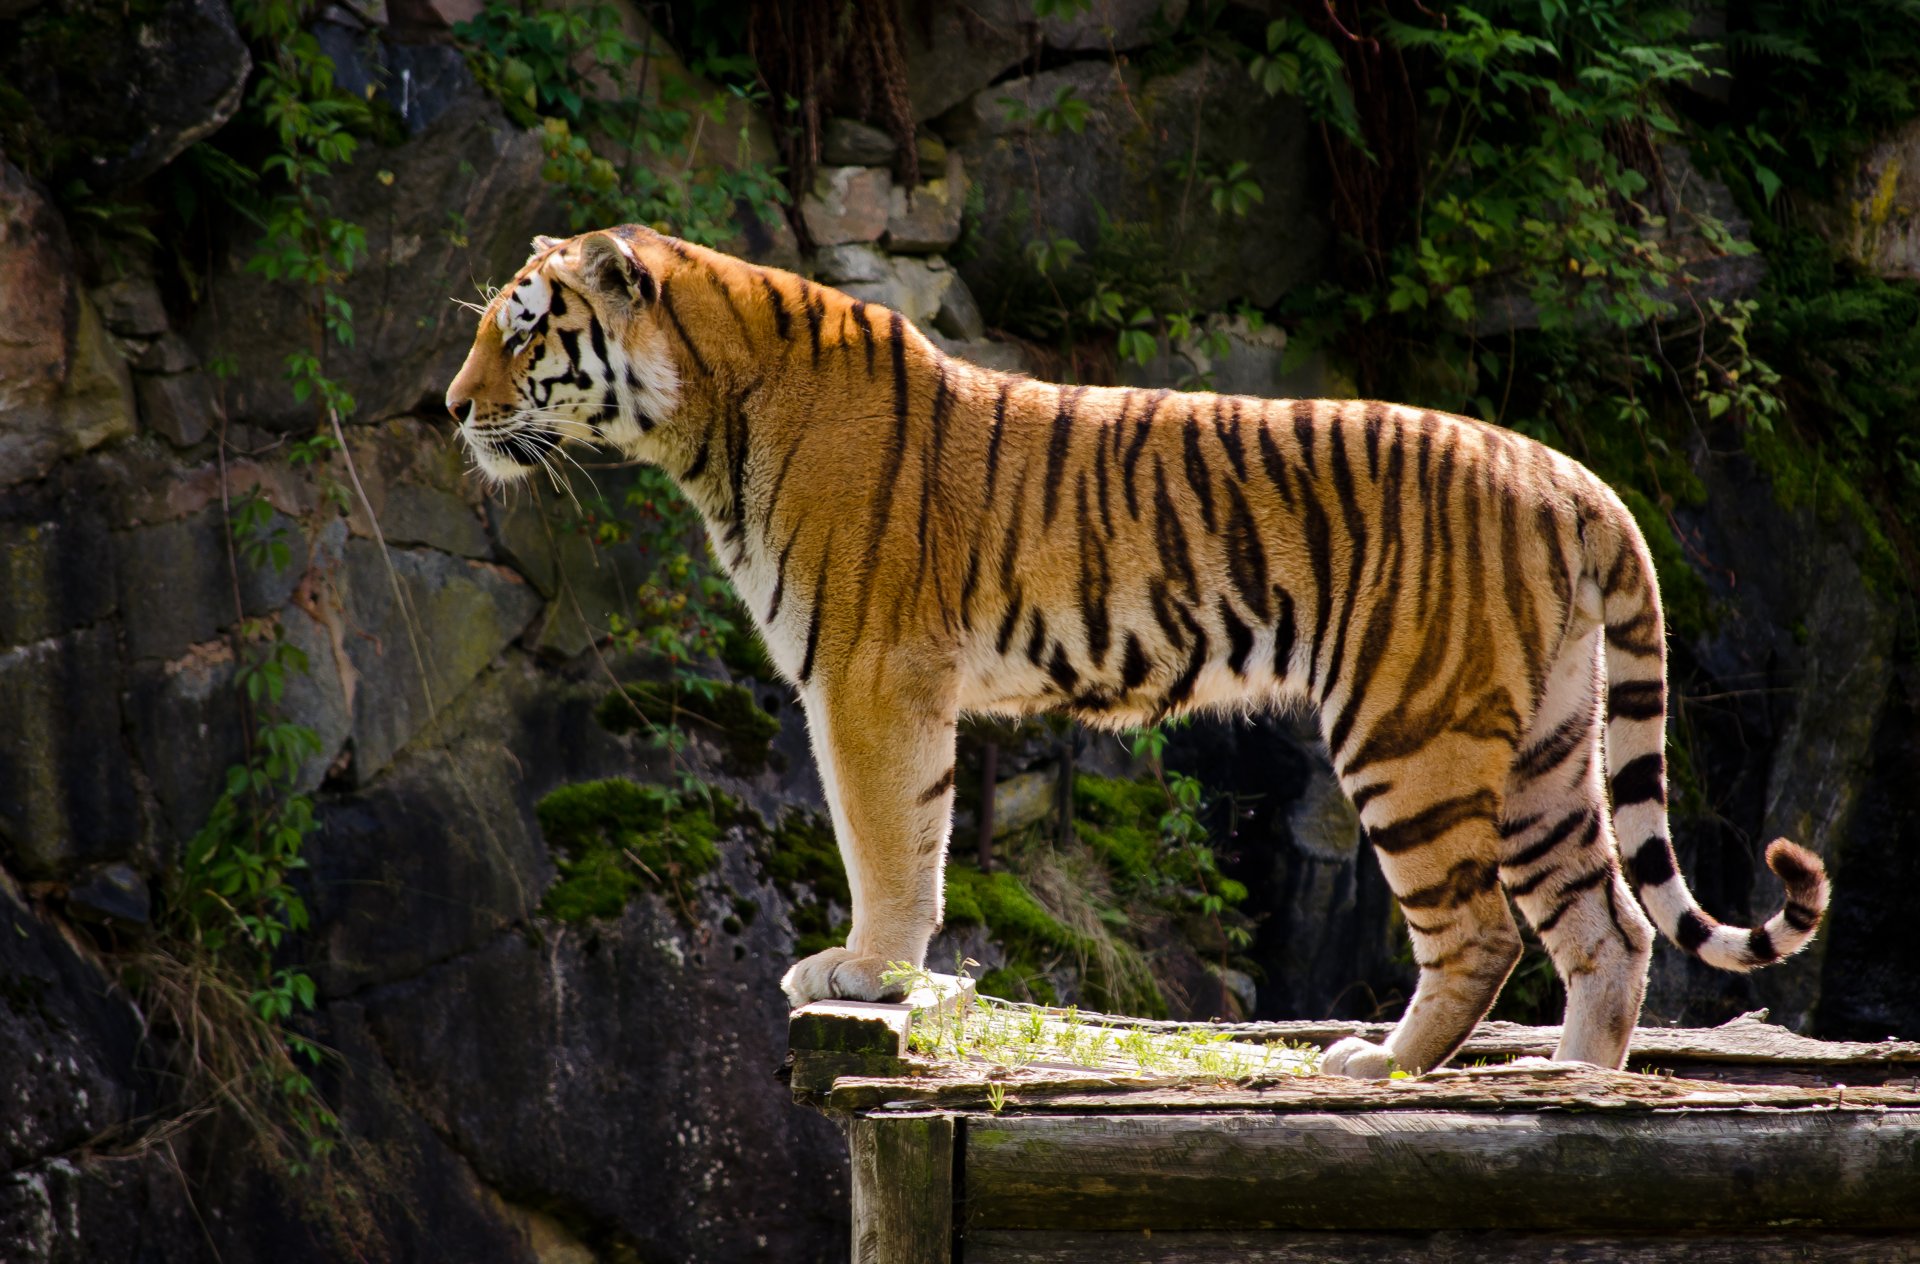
(902, 1188)
(1561, 1086)
(830, 1039)
(1409, 1170)
(1000, 1246)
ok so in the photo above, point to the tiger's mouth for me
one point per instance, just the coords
(509, 451)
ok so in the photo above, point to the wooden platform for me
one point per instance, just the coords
(976, 1137)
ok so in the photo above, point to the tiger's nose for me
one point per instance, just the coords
(457, 404)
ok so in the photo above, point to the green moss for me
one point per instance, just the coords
(1683, 594)
(616, 838)
(1014, 984)
(742, 650)
(718, 709)
(804, 862)
(1120, 821)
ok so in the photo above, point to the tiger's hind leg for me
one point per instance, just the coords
(1560, 864)
(1440, 854)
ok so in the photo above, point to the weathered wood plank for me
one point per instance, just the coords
(999, 1246)
(1707, 1170)
(830, 1039)
(902, 1188)
(1492, 1088)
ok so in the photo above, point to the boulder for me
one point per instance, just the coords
(913, 286)
(113, 893)
(851, 261)
(1113, 177)
(63, 387)
(140, 87)
(1880, 208)
(179, 407)
(958, 316)
(846, 204)
(56, 569)
(926, 218)
(850, 143)
(71, 1041)
(584, 582)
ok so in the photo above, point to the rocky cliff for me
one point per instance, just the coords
(531, 1058)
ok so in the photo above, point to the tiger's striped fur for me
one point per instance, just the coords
(1473, 615)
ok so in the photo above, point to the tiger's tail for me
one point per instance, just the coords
(1636, 659)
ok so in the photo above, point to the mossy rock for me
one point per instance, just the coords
(616, 838)
(804, 862)
(725, 712)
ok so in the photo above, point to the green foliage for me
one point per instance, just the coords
(621, 131)
(616, 838)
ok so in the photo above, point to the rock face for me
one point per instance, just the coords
(63, 390)
(1881, 207)
(1115, 171)
(465, 199)
(955, 49)
(123, 108)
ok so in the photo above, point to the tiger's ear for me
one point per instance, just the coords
(608, 265)
(543, 244)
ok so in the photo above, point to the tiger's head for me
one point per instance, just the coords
(570, 351)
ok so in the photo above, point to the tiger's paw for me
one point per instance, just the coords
(839, 974)
(1358, 1059)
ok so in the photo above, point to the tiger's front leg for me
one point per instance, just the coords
(883, 739)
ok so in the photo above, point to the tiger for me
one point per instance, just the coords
(1473, 617)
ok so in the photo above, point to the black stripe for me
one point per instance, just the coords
(1643, 780)
(1283, 633)
(1637, 700)
(1368, 793)
(1586, 820)
(1320, 553)
(1061, 670)
(1095, 582)
(1303, 432)
(1008, 622)
(1134, 667)
(1275, 465)
(1247, 556)
(1569, 895)
(813, 617)
(999, 428)
(1141, 429)
(1163, 614)
(1431, 823)
(1694, 929)
(686, 339)
(780, 577)
(1057, 452)
(1551, 751)
(782, 323)
(1760, 946)
(1199, 477)
(1229, 435)
(1182, 687)
(1356, 524)
(1171, 536)
(1239, 637)
(699, 465)
(1801, 917)
(938, 788)
(866, 330)
(1037, 638)
(816, 310)
(1652, 865)
(1467, 879)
